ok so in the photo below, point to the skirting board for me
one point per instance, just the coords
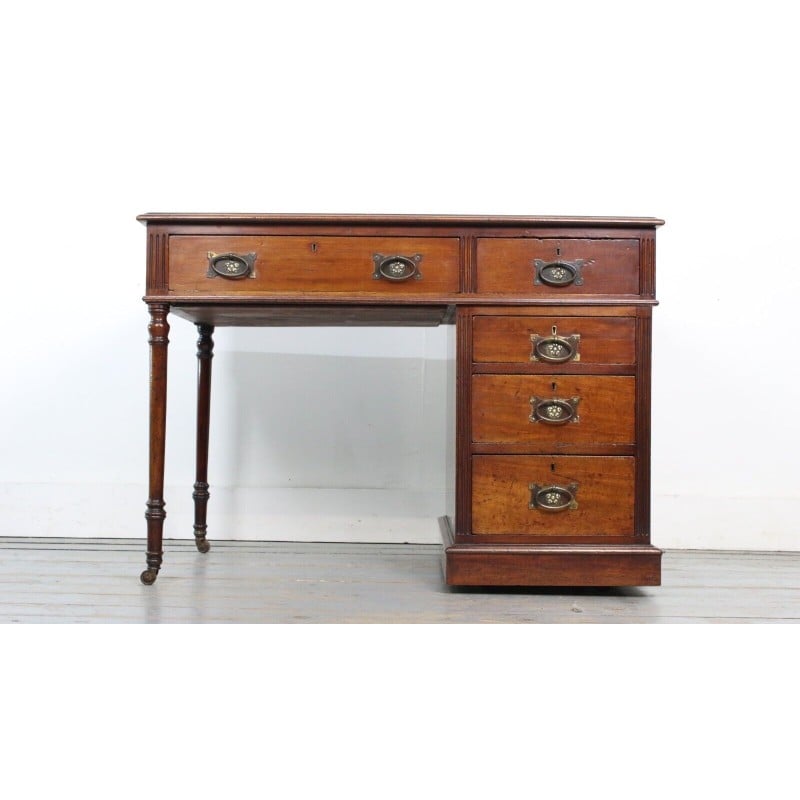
(116, 511)
(110, 510)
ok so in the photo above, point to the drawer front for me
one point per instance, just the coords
(602, 488)
(551, 267)
(546, 411)
(529, 340)
(300, 264)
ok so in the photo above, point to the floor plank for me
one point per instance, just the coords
(91, 581)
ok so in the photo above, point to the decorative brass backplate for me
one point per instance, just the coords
(396, 267)
(556, 411)
(558, 273)
(231, 265)
(555, 349)
(553, 498)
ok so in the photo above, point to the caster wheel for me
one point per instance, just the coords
(203, 545)
(148, 577)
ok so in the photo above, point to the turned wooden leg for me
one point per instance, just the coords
(155, 514)
(205, 352)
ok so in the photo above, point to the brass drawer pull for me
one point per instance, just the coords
(553, 498)
(397, 268)
(231, 265)
(558, 273)
(555, 349)
(557, 411)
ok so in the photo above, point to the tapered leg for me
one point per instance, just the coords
(155, 514)
(205, 352)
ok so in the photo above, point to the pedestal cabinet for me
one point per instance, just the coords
(551, 471)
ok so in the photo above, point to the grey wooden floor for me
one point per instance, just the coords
(76, 580)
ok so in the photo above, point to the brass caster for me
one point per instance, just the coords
(203, 545)
(148, 577)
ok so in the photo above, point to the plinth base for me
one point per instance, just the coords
(498, 564)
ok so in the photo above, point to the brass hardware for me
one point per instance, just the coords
(558, 273)
(557, 411)
(553, 498)
(397, 268)
(231, 265)
(555, 349)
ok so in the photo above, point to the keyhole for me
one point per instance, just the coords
(552, 468)
(554, 384)
(558, 251)
(313, 247)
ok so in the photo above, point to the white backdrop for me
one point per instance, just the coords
(539, 108)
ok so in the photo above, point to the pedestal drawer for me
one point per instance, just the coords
(550, 341)
(546, 411)
(553, 495)
(558, 266)
(390, 266)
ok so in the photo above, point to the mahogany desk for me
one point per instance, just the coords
(553, 327)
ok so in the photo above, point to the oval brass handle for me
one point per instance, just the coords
(555, 349)
(557, 411)
(558, 273)
(231, 265)
(553, 498)
(396, 267)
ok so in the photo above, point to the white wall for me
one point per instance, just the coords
(109, 110)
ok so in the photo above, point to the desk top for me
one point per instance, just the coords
(400, 219)
(258, 262)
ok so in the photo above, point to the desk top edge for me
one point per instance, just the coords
(400, 219)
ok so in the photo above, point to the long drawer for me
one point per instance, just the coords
(247, 265)
(546, 411)
(550, 341)
(554, 266)
(553, 495)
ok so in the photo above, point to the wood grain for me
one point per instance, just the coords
(468, 561)
(155, 513)
(604, 340)
(648, 266)
(313, 263)
(501, 410)
(643, 346)
(371, 220)
(506, 265)
(500, 495)
(313, 315)
(463, 521)
(156, 277)
(479, 272)
(591, 305)
(201, 495)
(92, 581)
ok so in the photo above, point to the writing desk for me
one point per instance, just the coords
(551, 465)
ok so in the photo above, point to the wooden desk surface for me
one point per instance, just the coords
(419, 220)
